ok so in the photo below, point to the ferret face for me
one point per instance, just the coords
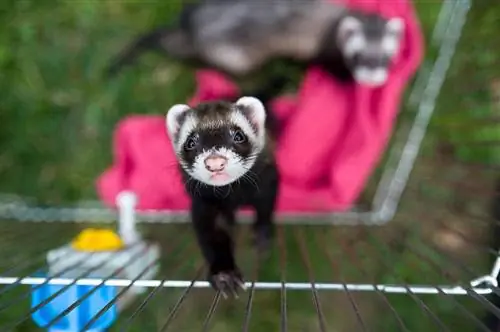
(217, 143)
(368, 46)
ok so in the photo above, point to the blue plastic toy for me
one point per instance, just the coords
(75, 320)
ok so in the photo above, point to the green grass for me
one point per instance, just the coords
(57, 114)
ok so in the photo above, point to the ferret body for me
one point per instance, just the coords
(239, 36)
(226, 158)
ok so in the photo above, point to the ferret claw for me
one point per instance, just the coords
(227, 282)
(242, 285)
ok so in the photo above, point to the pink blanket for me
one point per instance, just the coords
(333, 134)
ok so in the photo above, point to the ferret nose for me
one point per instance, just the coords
(215, 163)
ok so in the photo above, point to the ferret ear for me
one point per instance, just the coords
(254, 110)
(173, 118)
(349, 25)
(395, 25)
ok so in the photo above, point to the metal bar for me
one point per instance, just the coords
(71, 215)
(216, 299)
(362, 269)
(179, 217)
(251, 291)
(128, 323)
(417, 300)
(441, 28)
(211, 311)
(470, 291)
(464, 310)
(118, 296)
(71, 282)
(268, 285)
(283, 259)
(173, 312)
(394, 180)
(285, 218)
(92, 291)
(354, 306)
(248, 307)
(47, 281)
(180, 301)
(24, 264)
(29, 292)
(307, 263)
(443, 21)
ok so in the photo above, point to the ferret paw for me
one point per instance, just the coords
(227, 282)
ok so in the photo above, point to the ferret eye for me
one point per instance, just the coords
(239, 137)
(190, 144)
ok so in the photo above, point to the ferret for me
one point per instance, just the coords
(226, 158)
(240, 36)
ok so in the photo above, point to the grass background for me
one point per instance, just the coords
(57, 114)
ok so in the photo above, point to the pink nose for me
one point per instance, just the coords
(215, 163)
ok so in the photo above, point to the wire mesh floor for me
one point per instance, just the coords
(314, 276)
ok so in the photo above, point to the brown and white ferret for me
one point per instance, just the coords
(240, 36)
(225, 154)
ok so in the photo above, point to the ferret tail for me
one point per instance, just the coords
(172, 42)
(490, 319)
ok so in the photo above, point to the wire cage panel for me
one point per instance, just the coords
(355, 274)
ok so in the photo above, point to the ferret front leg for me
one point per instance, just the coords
(263, 226)
(217, 248)
(265, 204)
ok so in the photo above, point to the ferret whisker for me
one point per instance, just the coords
(252, 181)
(251, 177)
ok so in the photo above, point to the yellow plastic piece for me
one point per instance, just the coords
(93, 239)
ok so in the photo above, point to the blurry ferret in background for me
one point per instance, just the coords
(238, 37)
(225, 154)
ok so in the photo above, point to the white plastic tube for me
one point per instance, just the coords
(126, 201)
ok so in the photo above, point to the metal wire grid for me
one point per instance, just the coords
(358, 268)
(339, 272)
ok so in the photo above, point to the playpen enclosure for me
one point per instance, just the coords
(355, 276)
